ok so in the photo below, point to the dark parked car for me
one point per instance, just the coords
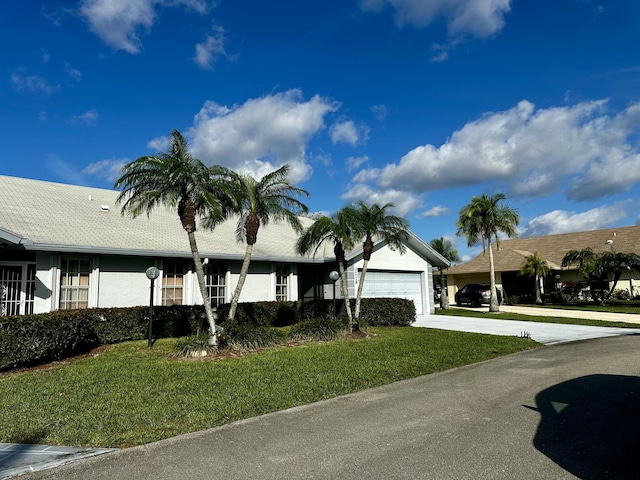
(475, 294)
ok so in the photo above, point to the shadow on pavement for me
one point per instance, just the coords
(590, 426)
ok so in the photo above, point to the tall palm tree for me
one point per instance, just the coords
(535, 266)
(337, 229)
(481, 221)
(272, 198)
(447, 250)
(374, 223)
(176, 179)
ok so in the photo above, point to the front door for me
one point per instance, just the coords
(17, 289)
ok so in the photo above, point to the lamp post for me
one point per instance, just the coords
(557, 277)
(334, 276)
(152, 274)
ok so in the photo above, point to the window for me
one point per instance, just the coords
(282, 283)
(172, 283)
(74, 283)
(216, 283)
(17, 289)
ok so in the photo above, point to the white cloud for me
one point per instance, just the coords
(210, 49)
(356, 162)
(562, 221)
(120, 23)
(108, 169)
(72, 72)
(480, 18)
(435, 211)
(404, 203)
(31, 83)
(577, 149)
(262, 134)
(348, 132)
(379, 111)
(90, 117)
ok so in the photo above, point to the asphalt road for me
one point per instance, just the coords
(566, 411)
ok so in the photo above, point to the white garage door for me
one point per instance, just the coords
(395, 285)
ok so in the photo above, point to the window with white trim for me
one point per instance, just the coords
(282, 283)
(216, 283)
(74, 283)
(172, 283)
(17, 289)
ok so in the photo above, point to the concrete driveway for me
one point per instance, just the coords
(545, 333)
(566, 411)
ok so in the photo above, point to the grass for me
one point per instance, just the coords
(461, 312)
(129, 394)
(625, 306)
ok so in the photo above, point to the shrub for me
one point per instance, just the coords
(261, 314)
(35, 339)
(195, 345)
(247, 336)
(621, 294)
(512, 299)
(387, 312)
(318, 329)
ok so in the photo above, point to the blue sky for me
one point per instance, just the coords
(423, 103)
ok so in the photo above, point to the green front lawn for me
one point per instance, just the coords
(462, 312)
(129, 394)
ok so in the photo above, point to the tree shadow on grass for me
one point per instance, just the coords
(28, 438)
(590, 426)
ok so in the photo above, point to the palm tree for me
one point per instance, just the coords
(375, 223)
(587, 263)
(337, 229)
(615, 263)
(260, 201)
(481, 221)
(535, 266)
(176, 179)
(446, 249)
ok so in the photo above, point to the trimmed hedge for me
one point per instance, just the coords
(34, 339)
(376, 312)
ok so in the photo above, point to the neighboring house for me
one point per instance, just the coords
(67, 247)
(511, 255)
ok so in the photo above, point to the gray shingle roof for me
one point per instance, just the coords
(68, 218)
(60, 217)
(552, 248)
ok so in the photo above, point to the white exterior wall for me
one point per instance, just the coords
(124, 283)
(383, 258)
(260, 284)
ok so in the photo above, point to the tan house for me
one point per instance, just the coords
(511, 255)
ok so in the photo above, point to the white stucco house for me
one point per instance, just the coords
(68, 247)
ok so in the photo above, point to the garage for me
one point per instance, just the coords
(394, 285)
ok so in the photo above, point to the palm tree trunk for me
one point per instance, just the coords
(345, 295)
(203, 286)
(493, 303)
(444, 295)
(243, 276)
(360, 288)
(538, 294)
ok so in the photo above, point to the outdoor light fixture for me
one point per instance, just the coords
(152, 274)
(334, 276)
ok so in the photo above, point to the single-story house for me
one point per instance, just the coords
(512, 253)
(67, 247)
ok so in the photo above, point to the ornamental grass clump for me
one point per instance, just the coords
(250, 337)
(195, 346)
(318, 329)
